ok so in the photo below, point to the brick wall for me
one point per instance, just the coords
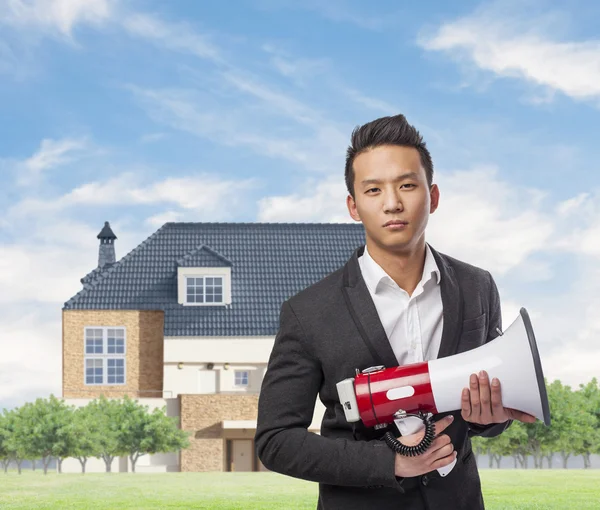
(202, 415)
(144, 352)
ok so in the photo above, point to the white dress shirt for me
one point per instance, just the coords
(413, 324)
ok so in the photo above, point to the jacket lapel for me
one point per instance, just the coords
(452, 303)
(363, 311)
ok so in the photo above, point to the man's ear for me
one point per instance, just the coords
(351, 204)
(434, 195)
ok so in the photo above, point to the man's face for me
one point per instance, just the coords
(390, 184)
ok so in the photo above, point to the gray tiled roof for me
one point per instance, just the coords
(203, 256)
(270, 262)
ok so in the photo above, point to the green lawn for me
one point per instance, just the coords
(503, 490)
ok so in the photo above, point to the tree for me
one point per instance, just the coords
(78, 438)
(163, 434)
(87, 436)
(589, 415)
(539, 435)
(39, 426)
(108, 414)
(569, 425)
(509, 443)
(144, 433)
(15, 444)
(5, 431)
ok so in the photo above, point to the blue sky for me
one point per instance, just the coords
(142, 112)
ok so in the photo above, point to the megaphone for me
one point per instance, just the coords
(406, 395)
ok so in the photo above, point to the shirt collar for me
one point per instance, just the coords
(374, 274)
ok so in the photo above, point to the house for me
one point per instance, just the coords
(187, 320)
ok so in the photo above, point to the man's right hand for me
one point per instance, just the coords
(439, 454)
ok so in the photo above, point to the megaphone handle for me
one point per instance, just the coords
(412, 425)
(443, 471)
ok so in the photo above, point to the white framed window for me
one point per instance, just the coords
(104, 355)
(204, 286)
(241, 378)
(204, 289)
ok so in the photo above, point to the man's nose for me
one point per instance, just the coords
(392, 202)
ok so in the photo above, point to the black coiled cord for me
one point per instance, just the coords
(412, 451)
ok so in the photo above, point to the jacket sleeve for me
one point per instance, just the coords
(494, 429)
(285, 410)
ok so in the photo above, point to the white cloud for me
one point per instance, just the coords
(502, 233)
(51, 154)
(369, 102)
(516, 47)
(34, 19)
(570, 365)
(158, 220)
(574, 204)
(571, 325)
(10, 62)
(204, 194)
(237, 125)
(46, 272)
(39, 271)
(49, 256)
(33, 369)
(581, 217)
(301, 70)
(60, 15)
(321, 201)
(173, 36)
(274, 101)
(340, 11)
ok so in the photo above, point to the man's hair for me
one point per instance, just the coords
(385, 131)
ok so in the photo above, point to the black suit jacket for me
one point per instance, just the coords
(326, 332)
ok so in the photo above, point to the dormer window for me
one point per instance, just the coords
(204, 278)
(204, 289)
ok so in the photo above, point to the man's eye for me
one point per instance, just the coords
(372, 189)
(413, 185)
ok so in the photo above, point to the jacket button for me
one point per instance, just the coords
(425, 480)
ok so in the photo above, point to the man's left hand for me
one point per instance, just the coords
(483, 406)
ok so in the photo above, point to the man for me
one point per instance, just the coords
(396, 301)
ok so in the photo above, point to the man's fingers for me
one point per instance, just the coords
(440, 425)
(438, 442)
(485, 397)
(497, 407)
(465, 404)
(475, 402)
(442, 452)
(445, 461)
(440, 447)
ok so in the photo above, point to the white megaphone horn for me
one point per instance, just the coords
(378, 396)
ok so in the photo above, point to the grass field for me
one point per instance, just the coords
(503, 490)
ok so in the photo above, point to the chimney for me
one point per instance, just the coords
(107, 246)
